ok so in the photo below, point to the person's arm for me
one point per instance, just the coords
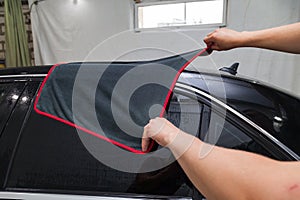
(284, 38)
(220, 173)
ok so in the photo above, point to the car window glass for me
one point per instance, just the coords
(222, 132)
(273, 110)
(185, 113)
(51, 156)
(281, 119)
(13, 126)
(9, 95)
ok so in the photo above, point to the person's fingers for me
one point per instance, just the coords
(151, 130)
(211, 44)
(159, 124)
(145, 138)
(207, 39)
(145, 144)
(208, 44)
(215, 47)
(209, 34)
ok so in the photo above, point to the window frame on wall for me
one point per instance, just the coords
(165, 2)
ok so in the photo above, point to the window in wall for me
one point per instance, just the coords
(180, 13)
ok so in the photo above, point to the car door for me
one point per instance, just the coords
(50, 161)
(224, 126)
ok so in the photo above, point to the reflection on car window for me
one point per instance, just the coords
(51, 156)
(185, 113)
(231, 136)
(280, 118)
(227, 134)
(9, 95)
(273, 110)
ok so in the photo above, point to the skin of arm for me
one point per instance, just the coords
(284, 38)
(220, 173)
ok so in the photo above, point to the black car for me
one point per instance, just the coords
(42, 158)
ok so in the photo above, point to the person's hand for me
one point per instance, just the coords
(224, 39)
(160, 130)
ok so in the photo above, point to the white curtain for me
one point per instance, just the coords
(67, 30)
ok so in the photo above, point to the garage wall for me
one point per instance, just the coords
(98, 30)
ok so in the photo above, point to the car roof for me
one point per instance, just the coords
(26, 70)
(238, 77)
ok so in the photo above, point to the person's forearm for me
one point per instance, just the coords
(221, 173)
(284, 38)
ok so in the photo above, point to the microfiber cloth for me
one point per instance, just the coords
(111, 100)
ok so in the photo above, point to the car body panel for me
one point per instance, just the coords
(231, 97)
